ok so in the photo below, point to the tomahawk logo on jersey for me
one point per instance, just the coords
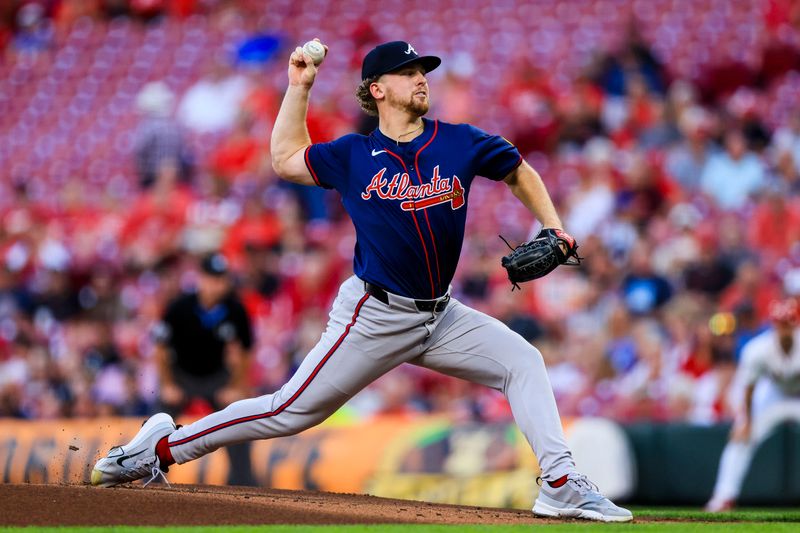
(437, 191)
(406, 199)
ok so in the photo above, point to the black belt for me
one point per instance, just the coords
(426, 306)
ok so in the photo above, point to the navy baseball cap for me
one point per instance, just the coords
(214, 265)
(391, 56)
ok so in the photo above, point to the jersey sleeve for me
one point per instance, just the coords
(495, 157)
(751, 366)
(328, 163)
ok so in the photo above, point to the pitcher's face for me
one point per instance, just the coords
(407, 90)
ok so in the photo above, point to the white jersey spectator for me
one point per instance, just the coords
(212, 104)
(687, 159)
(732, 176)
(592, 201)
(158, 138)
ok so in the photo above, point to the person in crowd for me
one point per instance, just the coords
(203, 353)
(212, 104)
(158, 139)
(733, 176)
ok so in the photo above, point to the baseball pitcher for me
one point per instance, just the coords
(406, 187)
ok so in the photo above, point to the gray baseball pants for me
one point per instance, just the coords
(364, 339)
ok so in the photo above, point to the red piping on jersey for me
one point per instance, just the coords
(419, 177)
(517, 164)
(419, 232)
(310, 168)
(294, 397)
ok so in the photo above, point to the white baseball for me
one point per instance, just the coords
(315, 50)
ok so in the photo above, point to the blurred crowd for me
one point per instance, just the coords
(680, 181)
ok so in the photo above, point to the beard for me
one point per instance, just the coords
(409, 104)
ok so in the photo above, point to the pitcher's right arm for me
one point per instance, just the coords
(290, 134)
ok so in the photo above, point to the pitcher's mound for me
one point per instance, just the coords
(132, 505)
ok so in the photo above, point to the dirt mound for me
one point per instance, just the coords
(82, 505)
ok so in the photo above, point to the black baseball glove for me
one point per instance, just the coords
(537, 258)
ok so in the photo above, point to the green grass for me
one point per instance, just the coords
(767, 514)
(675, 520)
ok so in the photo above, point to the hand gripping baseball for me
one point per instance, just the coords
(537, 258)
(302, 69)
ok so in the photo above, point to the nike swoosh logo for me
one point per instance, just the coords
(119, 461)
(376, 152)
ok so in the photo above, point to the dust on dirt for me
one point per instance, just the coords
(83, 505)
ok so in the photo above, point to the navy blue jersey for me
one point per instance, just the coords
(408, 201)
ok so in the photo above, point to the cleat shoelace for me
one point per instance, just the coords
(156, 472)
(583, 485)
(133, 472)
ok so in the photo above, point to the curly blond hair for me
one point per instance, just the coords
(364, 97)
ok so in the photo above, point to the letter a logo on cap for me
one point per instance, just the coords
(410, 49)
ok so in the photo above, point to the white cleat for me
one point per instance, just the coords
(578, 498)
(138, 458)
(719, 506)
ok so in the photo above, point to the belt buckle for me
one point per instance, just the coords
(441, 304)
